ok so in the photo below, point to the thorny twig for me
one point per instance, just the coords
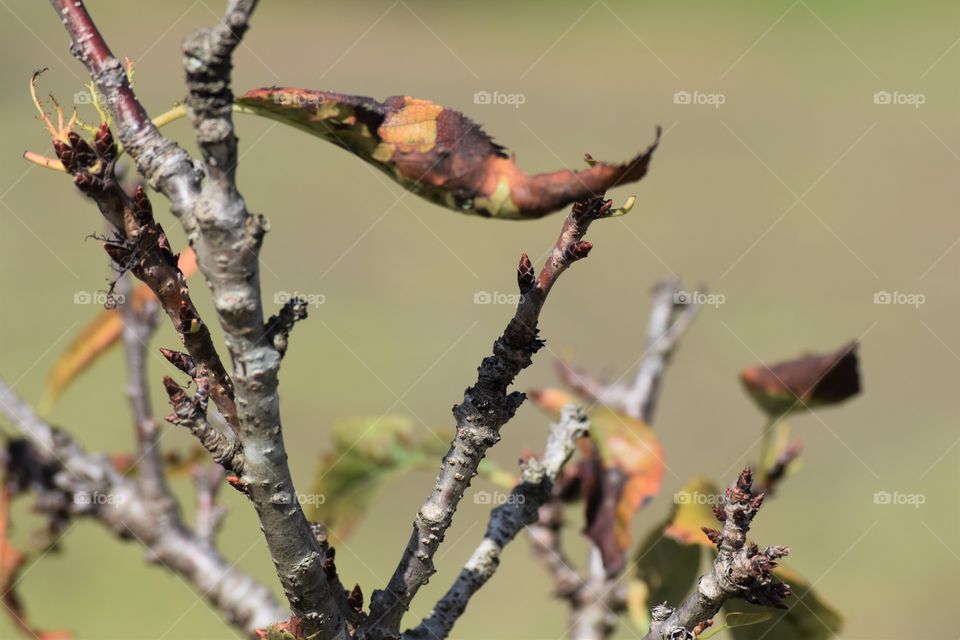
(506, 521)
(485, 408)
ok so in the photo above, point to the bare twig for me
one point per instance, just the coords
(210, 515)
(96, 490)
(546, 545)
(139, 326)
(486, 407)
(740, 570)
(670, 316)
(669, 319)
(224, 448)
(506, 521)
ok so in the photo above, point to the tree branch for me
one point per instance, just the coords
(506, 521)
(486, 407)
(226, 239)
(139, 326)
(96, 490)
(142, 247)
(669, 319)
(740, 570)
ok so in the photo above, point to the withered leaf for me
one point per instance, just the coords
(620, 468)
(808, 381)
(438, 153)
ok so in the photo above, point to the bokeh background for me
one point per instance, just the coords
(798, 199)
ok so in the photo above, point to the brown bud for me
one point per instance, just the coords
(88, 183)
(104, 142)
(82, 149)
(578, 250)
(355, 599)
(714, 535)
(65, 154)
(526, 278)
(719, 513)
(745, 481)
(142, 209)
(329, 566)
(117, 252)
(177, 395)
(181, 361)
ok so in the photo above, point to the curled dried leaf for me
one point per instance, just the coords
(439, 153)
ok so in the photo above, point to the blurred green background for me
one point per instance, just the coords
(798, 199)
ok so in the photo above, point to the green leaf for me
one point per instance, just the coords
(367, 454)
(808, 616)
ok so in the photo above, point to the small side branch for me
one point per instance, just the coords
(506, 521)
(224, 448)
(122, 507)
(740, 570)
(670, 316)
(669, 320)
(139, 326)
(485, 408)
